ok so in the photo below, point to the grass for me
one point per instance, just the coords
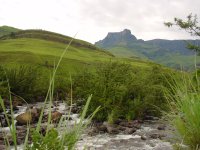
(39, 51)
(184, 102)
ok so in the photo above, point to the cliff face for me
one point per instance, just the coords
(114, 38)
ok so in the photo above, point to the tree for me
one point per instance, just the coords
(190, 25)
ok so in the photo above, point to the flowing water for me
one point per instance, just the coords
(139, 140)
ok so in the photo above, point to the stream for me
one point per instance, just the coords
(152, 134)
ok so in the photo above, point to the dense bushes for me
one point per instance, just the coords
(123, 91)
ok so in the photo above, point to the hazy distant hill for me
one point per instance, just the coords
(173, 53)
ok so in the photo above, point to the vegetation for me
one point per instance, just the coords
(123, 88)
(184, 102)
(123, 91)
(185, 99)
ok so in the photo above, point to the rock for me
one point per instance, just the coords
(143, 137)
(150, 118)
(55, 116)
(93, 132)
(157, 136)
(131, 124)
(118, 121)
(102, 128)
(2, 147)
(24, 118)
(112, 130)
(121, 128)
(16, 102)
(161, 127)
(3, 121)
(74, 109)
(130, 130)
(21, 134)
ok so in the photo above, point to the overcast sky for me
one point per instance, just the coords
(93, 19)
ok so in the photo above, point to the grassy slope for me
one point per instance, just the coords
(36, 50)
(4, 30)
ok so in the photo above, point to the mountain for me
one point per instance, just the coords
(5, 30)
(172, 53)
(114, 38)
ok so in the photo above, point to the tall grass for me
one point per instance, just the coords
(184, 102)
(52, 139)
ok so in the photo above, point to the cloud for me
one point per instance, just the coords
(94, 18)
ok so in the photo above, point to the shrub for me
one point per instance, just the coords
(123, 91)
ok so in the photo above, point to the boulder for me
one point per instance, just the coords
(102, 128)
(55, 116)
(161, 127)
(2, 147)
(111, 128)
(130, 130)
(24, 118)
(35, 112)
(121, 128)
(143, 137)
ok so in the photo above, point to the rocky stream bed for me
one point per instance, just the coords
(149, 134)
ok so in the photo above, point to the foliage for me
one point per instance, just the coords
(51, 141)
(123, 91)
(21, 81)
(190, 25)
(184, 98)
(184, 108)
(3, 83)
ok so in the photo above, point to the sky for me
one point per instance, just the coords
(93, 19)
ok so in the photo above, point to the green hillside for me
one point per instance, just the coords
(171, 53)
(41, 47)
(5, 30)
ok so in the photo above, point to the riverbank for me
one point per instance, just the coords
(148, 134)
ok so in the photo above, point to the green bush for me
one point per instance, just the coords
(123, 91)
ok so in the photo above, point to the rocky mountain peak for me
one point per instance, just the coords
(113, 38)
